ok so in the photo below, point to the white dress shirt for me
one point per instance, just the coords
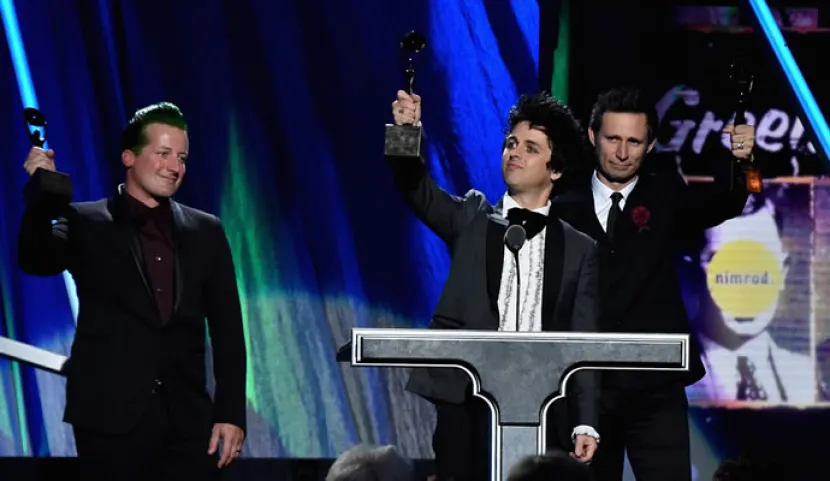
(532, 274)
(602, 199)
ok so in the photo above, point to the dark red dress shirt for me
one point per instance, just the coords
(155, 232)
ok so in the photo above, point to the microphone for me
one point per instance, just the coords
(514, 239)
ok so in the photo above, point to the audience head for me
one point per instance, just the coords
(555, 465)
(371, 463)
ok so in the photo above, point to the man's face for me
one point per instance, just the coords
(524, 161)
(160, 166)
(621, 145)
(759, 228)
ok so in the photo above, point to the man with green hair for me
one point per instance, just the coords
(148, 271)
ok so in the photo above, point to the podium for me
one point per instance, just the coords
(518, 375)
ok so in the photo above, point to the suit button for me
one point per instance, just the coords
(613, 251)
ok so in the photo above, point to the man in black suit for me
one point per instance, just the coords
(557, 264)
(148, 271)
(639, 220)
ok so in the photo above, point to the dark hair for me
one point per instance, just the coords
(134, 136)
(624, 100)
(567, 140)
(553, 465)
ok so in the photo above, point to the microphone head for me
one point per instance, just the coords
(514, 238)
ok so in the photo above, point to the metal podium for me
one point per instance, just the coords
(517, 374)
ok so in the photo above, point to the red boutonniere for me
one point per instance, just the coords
(641, 215)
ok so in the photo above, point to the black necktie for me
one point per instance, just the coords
(532, 222)
(613, 213)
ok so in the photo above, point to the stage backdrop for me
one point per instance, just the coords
(286, 103)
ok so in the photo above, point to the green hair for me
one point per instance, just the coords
(134, 136)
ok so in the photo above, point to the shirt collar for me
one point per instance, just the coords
(508, 203)
(603, 193)
(139, 212)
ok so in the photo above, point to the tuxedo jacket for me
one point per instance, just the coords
(123, 353)
(639, 285)
(473, 229)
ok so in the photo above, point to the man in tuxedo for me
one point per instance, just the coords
(639, 219)
(148, 272)
(557, 265)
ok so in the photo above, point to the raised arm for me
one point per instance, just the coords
(705, 205)
(44, 248)
(445, 214)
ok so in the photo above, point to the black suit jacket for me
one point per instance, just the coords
(474, 231)
(639, 286)
(122, 351)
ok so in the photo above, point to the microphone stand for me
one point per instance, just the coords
(514, 239)
(518, 287)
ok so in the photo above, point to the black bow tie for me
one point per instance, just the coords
(532, 222)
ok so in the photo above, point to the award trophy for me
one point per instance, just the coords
(743, 80)
(45, 187)
(405, 140)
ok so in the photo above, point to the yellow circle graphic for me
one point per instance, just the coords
(744, 278)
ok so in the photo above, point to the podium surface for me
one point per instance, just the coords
(518, 374)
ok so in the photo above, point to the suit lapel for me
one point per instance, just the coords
(127, 235)
(625, 226)
(577, 208)
(126, 242)
(552, 279)
(496, 227)
(178, 251)
(553, 264)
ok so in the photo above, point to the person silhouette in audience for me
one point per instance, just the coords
(371, 463)
(744, 468)
(555, 465)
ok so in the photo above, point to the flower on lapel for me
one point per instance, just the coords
(641, 215)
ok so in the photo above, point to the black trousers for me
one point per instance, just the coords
(152, 451)
(461, 441)
(652, 426)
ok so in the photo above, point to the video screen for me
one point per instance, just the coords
(752, 287)
(698, 50)
(756, 286)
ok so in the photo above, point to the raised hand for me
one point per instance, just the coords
(407, 109)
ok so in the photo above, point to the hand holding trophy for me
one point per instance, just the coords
(46, 186)
(403, 138)
(743, 81)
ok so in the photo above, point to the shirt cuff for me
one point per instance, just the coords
(584, 429)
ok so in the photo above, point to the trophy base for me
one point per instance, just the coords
(402, 141)
(48, 188)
